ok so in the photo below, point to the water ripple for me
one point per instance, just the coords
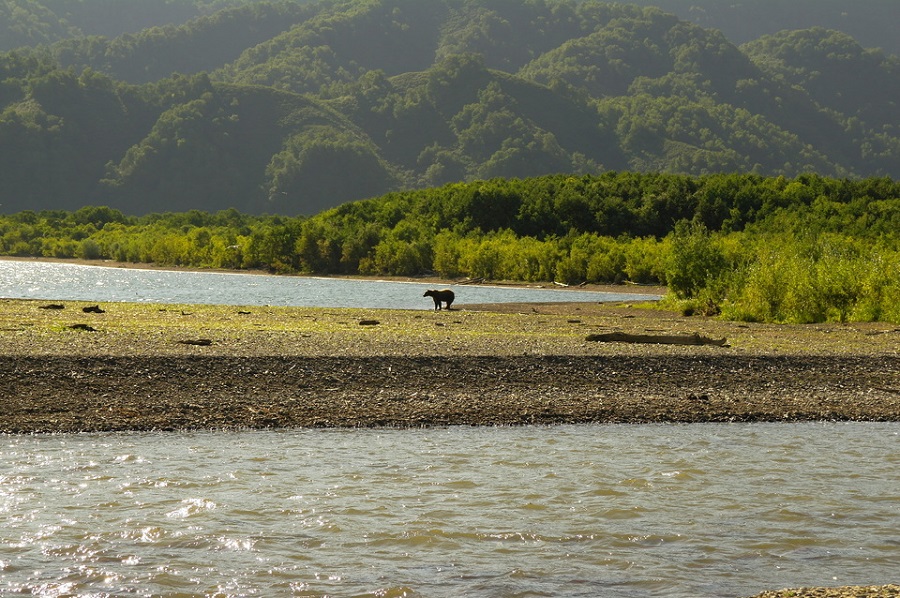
(570, 510)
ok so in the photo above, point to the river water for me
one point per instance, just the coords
(599, 510)
(73, 282)
(595, 510)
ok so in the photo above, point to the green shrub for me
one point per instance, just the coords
(694, 260)
(88, 250)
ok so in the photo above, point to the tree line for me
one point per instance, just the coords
(746, 247)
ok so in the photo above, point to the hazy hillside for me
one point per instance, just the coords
(33, 22)
(293, 107)
(872, 22)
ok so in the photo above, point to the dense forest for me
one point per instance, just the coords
(745, 247)
(871, 22)
(293, 107)
(35, 22)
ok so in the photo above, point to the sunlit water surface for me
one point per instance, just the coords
(74, 282)
(594, 510)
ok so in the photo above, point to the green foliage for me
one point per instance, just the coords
(695, 262)
(827, 278)
(337, 165)
(745, 21)
(33, 22)
(446, 112)
(267, 105)
(199, 44)
(808, 249)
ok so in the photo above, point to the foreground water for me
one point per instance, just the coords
(74, 282)
(658, 510)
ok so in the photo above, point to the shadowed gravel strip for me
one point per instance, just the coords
(108, 393)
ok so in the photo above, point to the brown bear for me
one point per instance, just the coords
(445, 295)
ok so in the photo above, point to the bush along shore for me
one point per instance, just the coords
(72, 366)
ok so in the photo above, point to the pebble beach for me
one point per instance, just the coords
(152, 367)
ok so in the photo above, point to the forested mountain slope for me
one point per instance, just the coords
(33, 22)
(872, 22)
(293, 107)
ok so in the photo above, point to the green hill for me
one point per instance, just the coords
(295, 107)
(872, 22)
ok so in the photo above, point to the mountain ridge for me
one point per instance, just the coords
(298, 107)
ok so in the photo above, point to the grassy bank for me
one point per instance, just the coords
(31, 328)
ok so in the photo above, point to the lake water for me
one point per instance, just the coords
(73, 282)
(603, 510)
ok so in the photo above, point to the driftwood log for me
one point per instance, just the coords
(658, 339)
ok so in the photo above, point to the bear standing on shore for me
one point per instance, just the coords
(446, 296)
